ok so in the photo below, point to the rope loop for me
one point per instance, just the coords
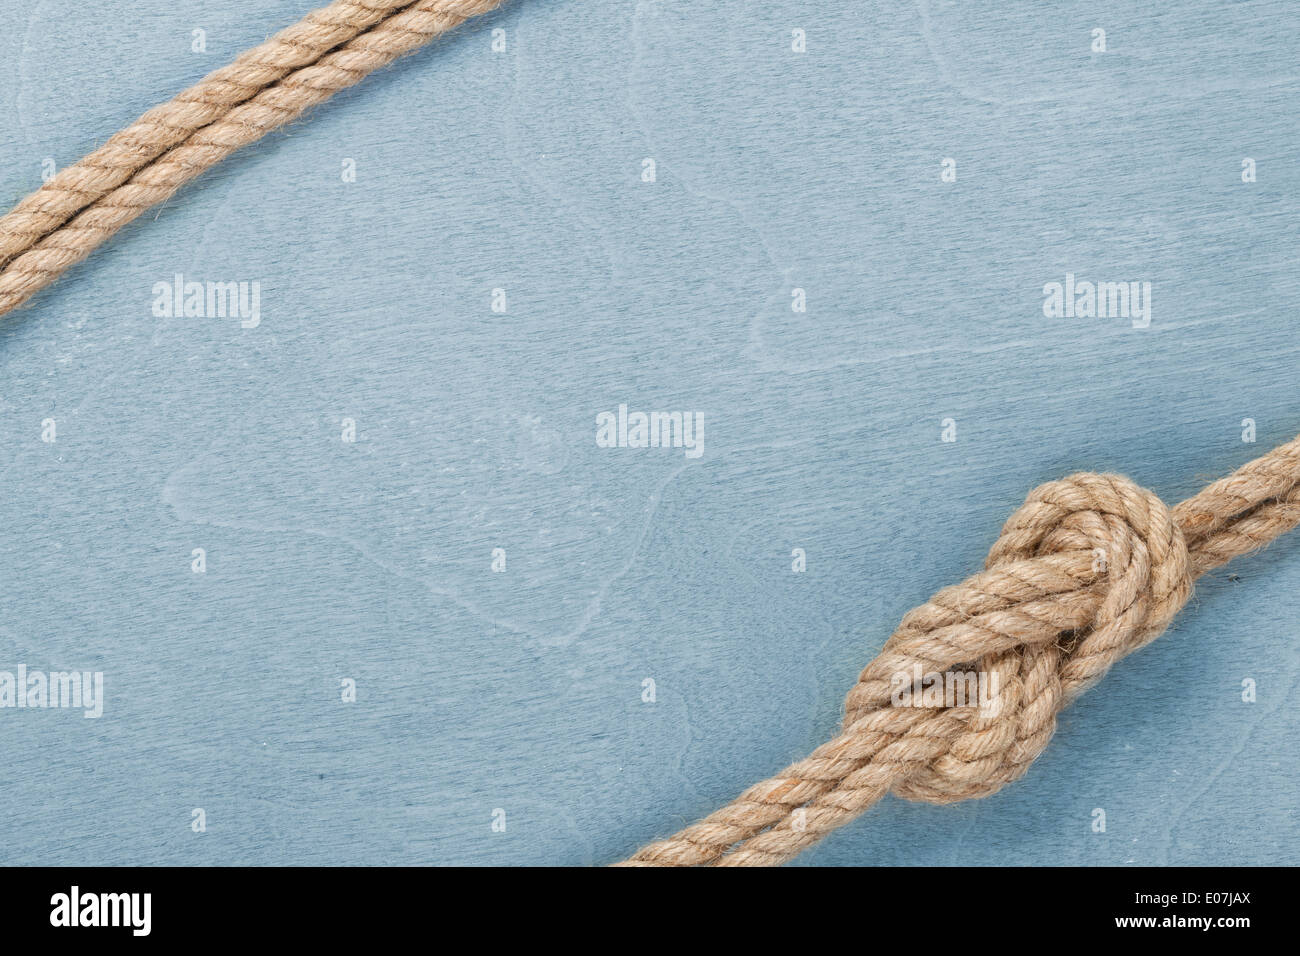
(1088, 570)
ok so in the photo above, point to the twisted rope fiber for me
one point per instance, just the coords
(1045, 616)
(1088, 570)
(330, 50)
(170, 123)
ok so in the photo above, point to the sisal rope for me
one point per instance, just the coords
(273, 84)
(1046, 616)
(170, 123)
(1088, 570)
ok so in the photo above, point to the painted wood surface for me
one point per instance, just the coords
(781, 178)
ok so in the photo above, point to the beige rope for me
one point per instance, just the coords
(273, 84)
(162, 127)
(1088, 570)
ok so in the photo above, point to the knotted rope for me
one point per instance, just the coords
(273, 84)
(1088, 570)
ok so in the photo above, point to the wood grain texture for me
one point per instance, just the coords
(522, 170)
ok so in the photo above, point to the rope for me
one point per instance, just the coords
(271, 85)
(1088, 570)
(170, 123)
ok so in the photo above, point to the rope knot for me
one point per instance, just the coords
(1088, 570)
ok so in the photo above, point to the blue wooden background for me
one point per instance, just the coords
(522, 170)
